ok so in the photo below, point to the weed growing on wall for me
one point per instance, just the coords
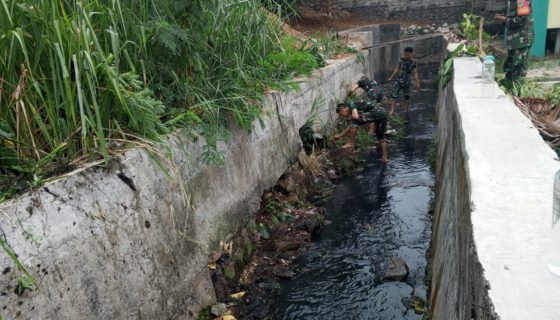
(25, 280)
(446, 71)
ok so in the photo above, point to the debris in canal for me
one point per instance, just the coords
(397, 270)
(246, 270)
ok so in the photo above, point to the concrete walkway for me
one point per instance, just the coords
(510, 171)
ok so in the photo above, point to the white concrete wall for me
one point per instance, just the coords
(493, 208)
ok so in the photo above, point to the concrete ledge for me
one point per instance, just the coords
(493, 208)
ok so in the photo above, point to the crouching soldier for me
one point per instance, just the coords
(373, 92)
(362, 113)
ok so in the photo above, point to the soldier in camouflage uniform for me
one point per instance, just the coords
(365, 112)
(406, 68)
(518, 39)
(373, 92)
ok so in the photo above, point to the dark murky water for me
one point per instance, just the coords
(377, 213)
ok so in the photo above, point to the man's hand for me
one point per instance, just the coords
(337, 137)
(500, 17)
(417, 87)
(390, 79)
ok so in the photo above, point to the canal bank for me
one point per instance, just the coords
(493, 207)
(378, 213)
(131, 240)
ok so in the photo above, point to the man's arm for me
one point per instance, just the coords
(355, 114)
(397, 69)
(343, 133)
(354, 88)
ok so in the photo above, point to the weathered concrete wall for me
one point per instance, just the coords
(101, 248)
(492, 208)
(434, 10)
(111, 251)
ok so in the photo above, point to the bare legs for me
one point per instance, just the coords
(384, 156)
(352, 140)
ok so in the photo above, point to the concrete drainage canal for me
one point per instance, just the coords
(370, 261)
(170, 249)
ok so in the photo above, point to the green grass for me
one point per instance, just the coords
(82, 78)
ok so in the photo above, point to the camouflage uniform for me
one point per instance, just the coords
(403, 78)
(372, 89)
(519, 39)
(370, 112)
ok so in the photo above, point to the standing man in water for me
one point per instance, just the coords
(519, 36)
(406, 68)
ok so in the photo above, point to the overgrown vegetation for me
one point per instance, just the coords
(469, 28)
(446, 71)
(81, 79)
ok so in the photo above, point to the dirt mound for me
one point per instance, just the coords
(313, 19)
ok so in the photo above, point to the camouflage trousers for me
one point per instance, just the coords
(515, 66)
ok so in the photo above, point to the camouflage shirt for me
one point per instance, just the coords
(519, 29)
(371, 88)
(377, 114)
(369, 111)
(406, 68)
(362, 105)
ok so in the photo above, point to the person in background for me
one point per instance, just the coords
(519, 37)
(407, 67)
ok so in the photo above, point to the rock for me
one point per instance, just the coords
(303, 159)
(332, 175)
(267, 195)
(292, 198)
(279, 230)
(287, 184)
(312, 225)
(284, 245)
(268, 245)
(218, 309)
(282, 272)
(397, 270)
(392, 132)
(330, 61)
(445, 25)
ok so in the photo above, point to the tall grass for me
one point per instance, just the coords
(69, 82)
(74, 76)
(79, 77)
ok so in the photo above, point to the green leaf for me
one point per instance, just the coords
(264, 231)
(286, 217)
